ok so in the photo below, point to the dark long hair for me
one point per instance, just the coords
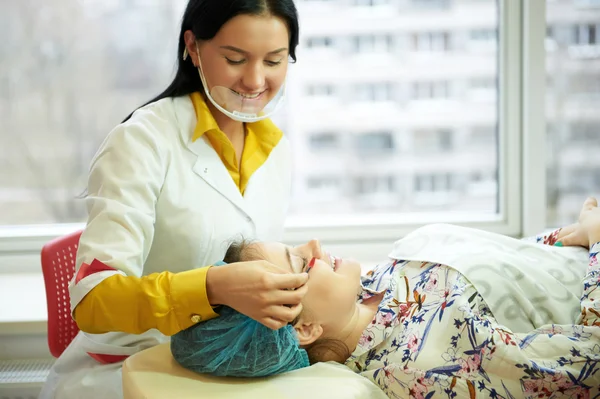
(205, 17)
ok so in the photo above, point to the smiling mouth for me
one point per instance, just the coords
(252, 96)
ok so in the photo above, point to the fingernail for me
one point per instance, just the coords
(558, 244)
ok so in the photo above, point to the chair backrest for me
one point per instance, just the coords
(58, 268)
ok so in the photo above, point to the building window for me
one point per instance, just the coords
(319, 42)
(324, 141)
(483, 90)
(585, 132)
(431, 42)
(320, 90)
(484, 84)
(323, 182)
(366, 185)
(374, 92)
(585, 34)
(433, 140)
(374, 143)
(434, 182)
(372, 44)
(370, 3)
(583, 85)
(430, 90)
(484, 35)
(587, 3)
(431, 3)
(483, 137)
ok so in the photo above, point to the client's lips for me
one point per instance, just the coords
(311, 264)
(337, 264)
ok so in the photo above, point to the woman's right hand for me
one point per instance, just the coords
(259, 289)
(587, 229)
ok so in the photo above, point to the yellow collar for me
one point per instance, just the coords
(261, 138)
(206, 121)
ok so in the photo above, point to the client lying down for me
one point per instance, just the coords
(453, 313)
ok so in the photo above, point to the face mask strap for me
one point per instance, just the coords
(235, 115)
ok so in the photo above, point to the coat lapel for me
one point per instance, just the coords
(210, 168)
(208, 165)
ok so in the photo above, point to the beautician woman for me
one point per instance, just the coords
(199, 164)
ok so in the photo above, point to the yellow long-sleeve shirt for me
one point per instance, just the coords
(171, 302)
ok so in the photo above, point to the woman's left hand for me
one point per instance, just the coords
(586, 230)
(573, 236)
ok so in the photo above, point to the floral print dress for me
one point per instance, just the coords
(435, 337)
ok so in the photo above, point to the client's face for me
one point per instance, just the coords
(333, 283)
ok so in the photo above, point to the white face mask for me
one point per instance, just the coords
(237, 107)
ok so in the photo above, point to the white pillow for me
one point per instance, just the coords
(153, 373)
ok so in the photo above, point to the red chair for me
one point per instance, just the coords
(58, 268)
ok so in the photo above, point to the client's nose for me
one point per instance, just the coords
(315, 249)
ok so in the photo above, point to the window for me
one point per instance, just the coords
(430, 90)
(586, 34)
(483, 89)
(482, 40)
(320, 90)
(431, 3)
(435, 183)
(320, 183)
(484, 35)
(370, 3)
(482, 137)
(368, 185)
(572, 101)
(79, 87)
(433, 141)
(372, 44)
(584, 86)
(324, 141)
(587, 3)
(483, 84)
(585, 132)
(374, 92)
(431, 42)
(374, 143)
(319, 42)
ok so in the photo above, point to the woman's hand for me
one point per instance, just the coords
(572, 236)
(586, 231)
(258, 289)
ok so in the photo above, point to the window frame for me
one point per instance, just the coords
(521, 170)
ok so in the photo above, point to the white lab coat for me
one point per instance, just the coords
(158, 201)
